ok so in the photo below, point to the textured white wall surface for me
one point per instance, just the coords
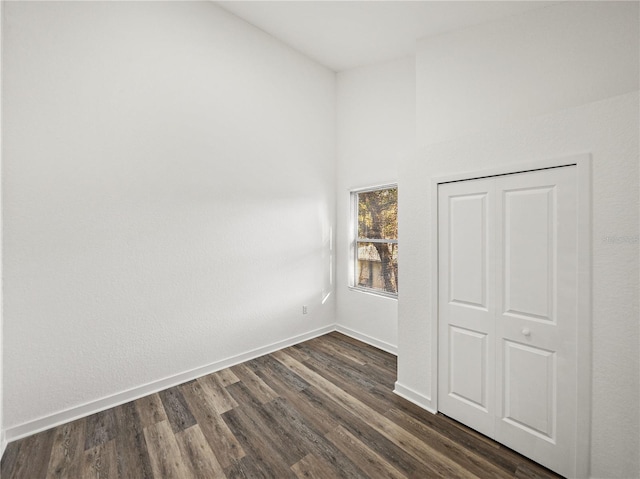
(2, 433)
(170, 190)
(529, 64)
(609, 131)
(545, 84)
(376, 125)
(169, 182)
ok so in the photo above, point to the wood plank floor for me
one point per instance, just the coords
(321, 409)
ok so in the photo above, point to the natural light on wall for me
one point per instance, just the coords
(327, 262)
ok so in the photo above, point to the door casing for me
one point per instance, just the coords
(584, 307)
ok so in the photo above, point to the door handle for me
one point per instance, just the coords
(526, 332)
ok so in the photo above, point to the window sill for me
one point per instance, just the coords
(373, 292)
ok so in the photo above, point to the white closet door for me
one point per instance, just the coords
(536, 323)
(508, 310)
(467, 303)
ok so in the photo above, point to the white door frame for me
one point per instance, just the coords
(583, 167)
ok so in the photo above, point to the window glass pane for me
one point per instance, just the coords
(378, 214)
(377, 266)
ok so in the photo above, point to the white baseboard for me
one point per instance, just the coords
(376, 343)
(415, 397)
(41, 424)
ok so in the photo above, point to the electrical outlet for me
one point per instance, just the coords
(304, 309)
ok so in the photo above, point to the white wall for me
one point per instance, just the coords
(529, 64)
(496, 80)
(2, 435)
(376, 125)
(169, 184)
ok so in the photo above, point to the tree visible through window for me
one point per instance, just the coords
(376, 244)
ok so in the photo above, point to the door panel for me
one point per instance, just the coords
(508, 311)
(468, 250)
(468, 367)
(530, 405)
(537, 321)
(467, 304)
(529, 250)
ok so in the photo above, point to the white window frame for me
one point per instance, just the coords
(354, 240)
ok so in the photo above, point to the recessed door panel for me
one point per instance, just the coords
(530, 389)
(468, 366)
(468, 250)
(529, 252)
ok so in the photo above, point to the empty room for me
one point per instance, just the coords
(320, 239)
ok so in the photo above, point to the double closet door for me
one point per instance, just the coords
(507, 326)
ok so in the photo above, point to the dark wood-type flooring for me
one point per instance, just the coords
(321, 409)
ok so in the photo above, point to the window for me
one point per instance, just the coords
(375, 245)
